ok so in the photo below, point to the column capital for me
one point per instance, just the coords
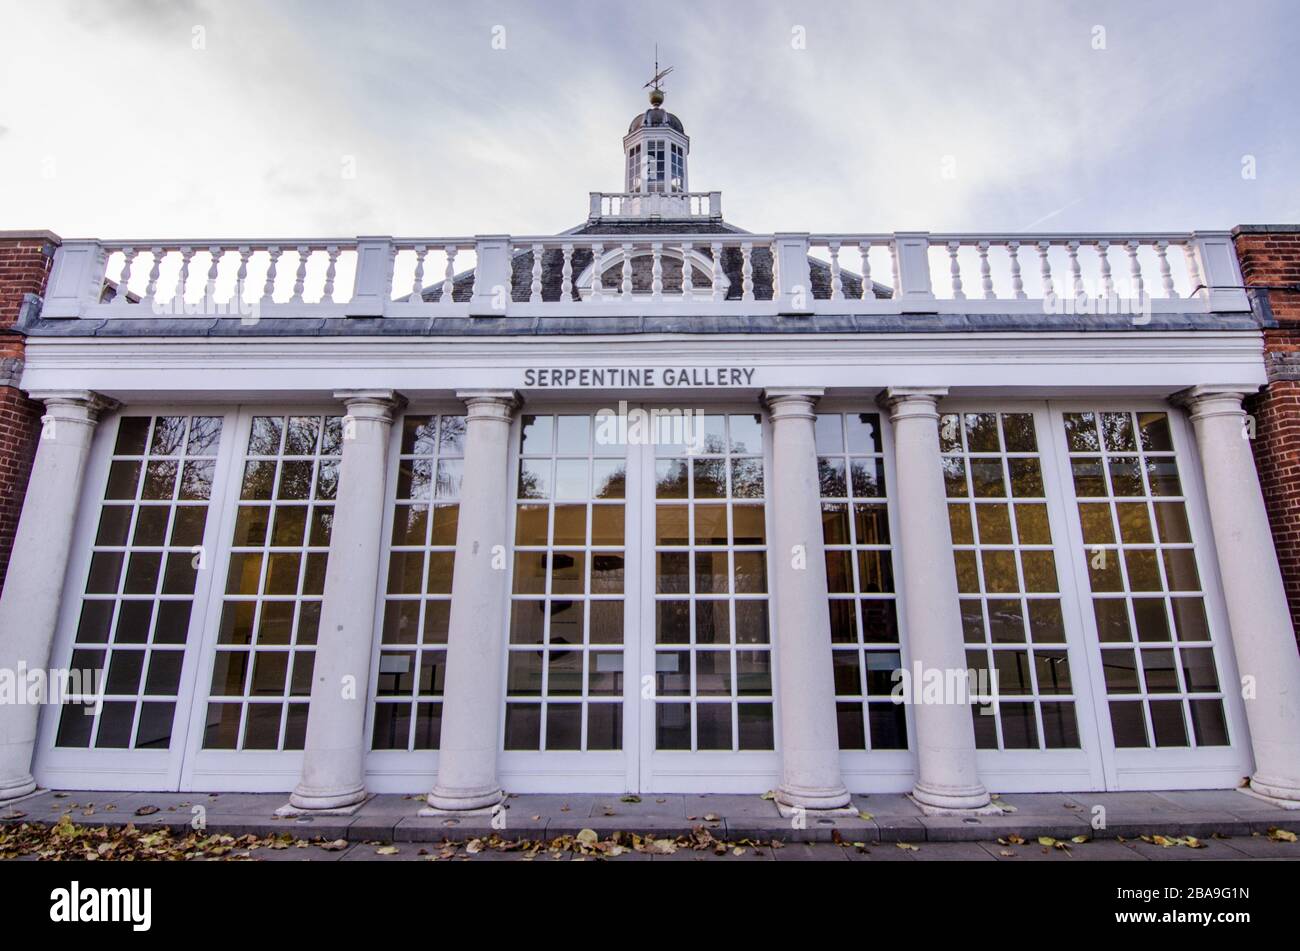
(789, 402)
(1208, 399)
(912, 401)
(490, 404)
(376, 404)
(74, 406)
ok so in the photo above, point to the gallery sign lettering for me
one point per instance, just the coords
(622, 377)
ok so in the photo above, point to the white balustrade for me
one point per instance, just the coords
(809, 274)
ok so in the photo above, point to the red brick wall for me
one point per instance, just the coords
(24, 267)
(1270, 264)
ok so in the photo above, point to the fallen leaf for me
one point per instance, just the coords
(1281, 835)
(907, 847)
(630, 799)
(587, 837)
(387, 850)
(338, 845)
(146, 810)
(865, 815)
(769, 795)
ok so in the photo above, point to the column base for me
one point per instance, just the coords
(19, 788)
(1281, 796)
(966, 800)
(324, 802)
(462, 802)
(791, 798)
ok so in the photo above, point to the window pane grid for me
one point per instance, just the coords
(565, 661)
(412, 661)
(135, 612)
(859, 571)
(261, 678)
(713, 680)
(1005, 563)
(1161, 679)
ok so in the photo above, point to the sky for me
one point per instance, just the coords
(287, 118)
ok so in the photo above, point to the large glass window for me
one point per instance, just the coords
(713, 656)
(564, 686)
(656, 153)
(678, 168)
(1161, 680)
(135, 613)
(634, 168)
(417, 605)
(266, 642)
(860, 579)
(1005, 560)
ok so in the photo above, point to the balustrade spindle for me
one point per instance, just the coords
(417, 282)
(716, 276)
(535, 288)
(747, 271)
(566, 273)
(1017, 280)
(1166, 275)
(1137, 288)
(688, 278)
(656, 271)
(837, 281)
(954, 268)
(449, 275)
(986, 276)
(214, 265)
(868, 291)
(151, 289)
(597, 279)
(238, 297)
(627, 271)
(897, 291)
(268, 291)
(1076, 275)
(1193, 270)
(183, 278)
(1107, 282)
(300, 274)
(124, 282)
(331, 273)
(1045, 270)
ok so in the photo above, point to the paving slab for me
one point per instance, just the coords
(1262, 847)
(1097, 850)
(668, 807)
(1214, 850)
(883, 852)
(949, 852)
(809, 852)
(975, 828)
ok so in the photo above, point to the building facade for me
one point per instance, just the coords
(653, 504)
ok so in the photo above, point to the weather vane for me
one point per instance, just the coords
(657, 93)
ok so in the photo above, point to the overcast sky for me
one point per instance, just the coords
(289, 118)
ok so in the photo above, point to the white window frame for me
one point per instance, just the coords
(142, 769)
(1165, 767)
(594, 771)
(880, 771)
(1030, 770)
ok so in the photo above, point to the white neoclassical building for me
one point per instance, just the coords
(652, 504)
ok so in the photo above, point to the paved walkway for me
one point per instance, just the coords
(1114, 823)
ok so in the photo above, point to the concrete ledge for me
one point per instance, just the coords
(880, 818)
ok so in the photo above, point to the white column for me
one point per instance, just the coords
(333, 764)
(947, 775)
(29, 604)
(1262, 635)
(471, 705)
(810, 750)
